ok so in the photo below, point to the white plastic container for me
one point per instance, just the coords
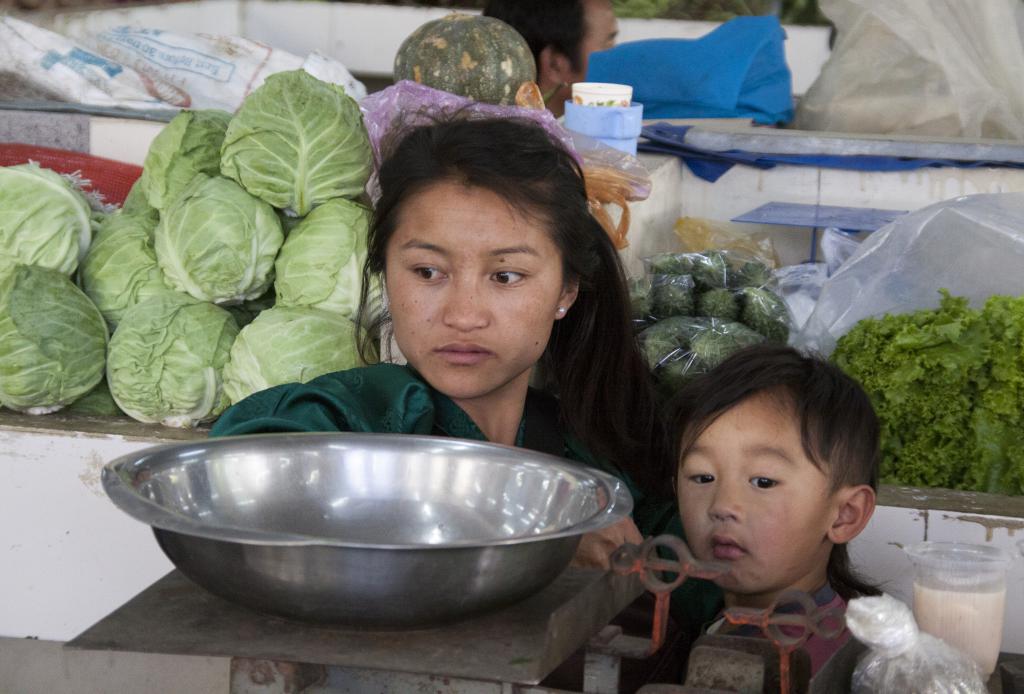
(602, 94)
(960, 596)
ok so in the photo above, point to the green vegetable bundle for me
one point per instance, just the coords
(948, 387)
(692, 310)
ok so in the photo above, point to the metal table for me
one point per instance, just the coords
(502, 652)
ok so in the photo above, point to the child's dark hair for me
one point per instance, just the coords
(838, 427)
(607, 399)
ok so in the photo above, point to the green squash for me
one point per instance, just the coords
(470, 55)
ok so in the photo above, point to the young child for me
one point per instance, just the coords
(778, 466)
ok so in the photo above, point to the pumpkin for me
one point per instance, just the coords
(479, 57)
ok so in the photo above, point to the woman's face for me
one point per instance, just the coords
(474, 289)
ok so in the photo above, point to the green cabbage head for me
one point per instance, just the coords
(289, 345)
(44, 219)
(321, 261)
(297, 142)
(166, 357)
(188, 145)
(53, 340)
(120, 269)
(218, 243)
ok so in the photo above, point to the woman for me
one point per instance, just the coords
(492, 265)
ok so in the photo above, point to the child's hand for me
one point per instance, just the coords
(596, 548)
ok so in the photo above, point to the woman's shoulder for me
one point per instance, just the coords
(383, 398)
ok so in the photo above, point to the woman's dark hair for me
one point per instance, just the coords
(555, 23)
(838, 427)
(603, 384)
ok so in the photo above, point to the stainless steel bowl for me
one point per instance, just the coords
(373, 530)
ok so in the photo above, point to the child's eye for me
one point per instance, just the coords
(507, 277)
(763, 482)
(702, 479)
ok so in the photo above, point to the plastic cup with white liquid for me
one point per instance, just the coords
(960, 596)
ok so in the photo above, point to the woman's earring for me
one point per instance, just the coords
(561, 311)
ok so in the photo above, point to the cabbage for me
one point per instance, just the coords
(166, 357)
(217, 242)
(44, 219)
(52, 340)
(188, 145)
(136, 204)
(120, 269)
(321, 262)
(97, 402)
(289, 345)
(297, 142)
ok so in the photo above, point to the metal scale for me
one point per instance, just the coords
(508, 651)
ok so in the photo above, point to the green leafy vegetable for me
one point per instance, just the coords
(217, 242)
(948, 387)
(718, 303)
(671, 295)
(44, 220)
(289, 345)
(712, 346)
(188, 145)
(97, 401)
(53, 340)
(669, 264)
(321, 262)
(751, 274)
(297, 142)
(121, 269)
(766, 313)
(166, 360)
(710, 270)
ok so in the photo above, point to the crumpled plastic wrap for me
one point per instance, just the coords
(900, 658)
(611, 176)
(972, 246)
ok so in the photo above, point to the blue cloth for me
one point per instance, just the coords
(710, 165)
(736, 71)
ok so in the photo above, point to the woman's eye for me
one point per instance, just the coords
(763, 482)
(507, 277)
(427, 273)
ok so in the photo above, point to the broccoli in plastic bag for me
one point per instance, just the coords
(671, 295)
(669, 264)
(901, 659)
(710, 269)
(766, 313)
(640, 300)
(667, 338)
(718, 303)
(712, 346)
(752, 273)
(681, 347)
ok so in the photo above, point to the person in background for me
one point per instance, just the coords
(562, 34)
(778, 466)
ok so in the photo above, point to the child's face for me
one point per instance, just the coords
(751, 498)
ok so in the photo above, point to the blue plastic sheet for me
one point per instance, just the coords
(737, 70)
(711, 165)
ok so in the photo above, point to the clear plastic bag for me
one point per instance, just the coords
(724, 285)
(901, 659)
(681, 347)
(671, 295)
(611, 176)
(973, 246)
(942, 68)
(800, 286)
